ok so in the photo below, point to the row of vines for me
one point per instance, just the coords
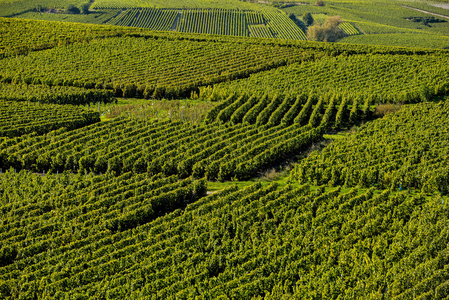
(133, 66)
(17, 118)
(96, 237)
(49, 93)
(405, 150)
(382, 78)
(263, 131)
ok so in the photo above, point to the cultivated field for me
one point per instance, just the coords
(209, 151)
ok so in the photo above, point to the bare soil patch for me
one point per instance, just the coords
(427, 12)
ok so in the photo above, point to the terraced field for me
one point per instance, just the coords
(309, 170)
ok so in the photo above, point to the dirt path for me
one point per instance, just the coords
(426, 12)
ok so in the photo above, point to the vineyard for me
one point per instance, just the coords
(214, 21)
(196, 162)
(17, 119)
(151, 18)
(218, 21)
(101, 239)
(406, 150)
(131, 66)
(382, 78)
(14, 90)
(270, 132)
(134, 65)
(349, 29)
(25, 36)
(384, 22)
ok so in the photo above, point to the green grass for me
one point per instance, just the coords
(336, 136)
(184, 109)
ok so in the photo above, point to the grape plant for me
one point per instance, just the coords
(18, 118)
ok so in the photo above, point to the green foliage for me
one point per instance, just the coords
(384, 22)
(403, 150)
(282, 26)
(25, 36)
(22, 91)
(85, 8)
(219, 150)
(137, 60)
(7, 255)
(309, 242)
(16, 118)
(216, 21)
(328, 32)
(72, 9)
(151, 18)
(197, 4)
(349, 29)
(12, 8)
(307, 18)
(147, 228)
(400, 39)
(374, 77)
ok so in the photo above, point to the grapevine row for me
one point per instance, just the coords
(219, 150)
(18, 118)
(24, 36)
(144, 148)
(133, 66)
(405, 150)
(58, 94)
(226, 22)
(382, 78)
(308, 241)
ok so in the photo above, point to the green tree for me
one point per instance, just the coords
(307, 18)
(72, 9)
(328, 32)
(85, 8)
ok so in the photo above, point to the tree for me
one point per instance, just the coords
(39, 8)
(72, 9)
(307, 18)
(328, 32)
(85, 8)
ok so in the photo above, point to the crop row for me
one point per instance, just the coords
(272, 110)
(132, 65)
(349, 29)
(18, 118)
(171, 148)
(272, 129)
(405, 150)
(58, 94)
(283, 27)
(260, 31)
(151, 18)
(253, 242)
(382, 78)
(226, 22)
(253, 17)
(25, 36)
(211, 21)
